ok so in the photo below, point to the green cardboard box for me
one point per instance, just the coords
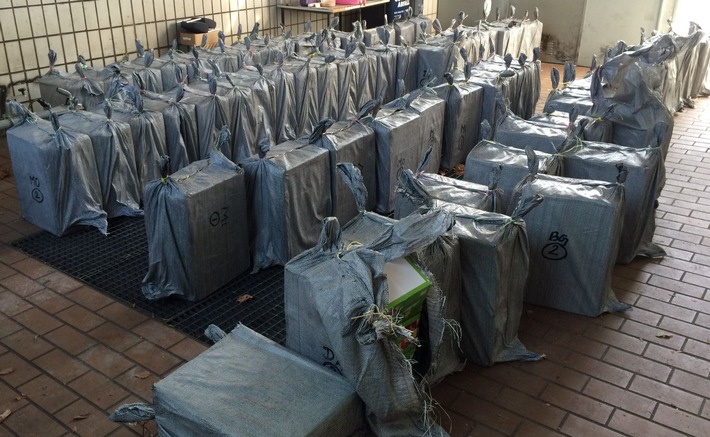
(408, 287)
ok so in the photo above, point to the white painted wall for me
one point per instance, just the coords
(608, 21)
(562, 20)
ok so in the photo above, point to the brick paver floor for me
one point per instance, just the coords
(69, 354)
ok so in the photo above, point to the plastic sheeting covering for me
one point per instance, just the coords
(620, 80)
(215, 393)
(385, 83)
(436, 57)
(494, 270)
(339, 324)
(574, 238)
(148, 132)
(284, 99)
(197, 230)
(488, 156)
(288, 193)
(55, 174)
(213, 111)
(407, 69)
(516, 132)
(306, 88)
(115, 162)
(598, 161)
(414, 192)
(597, 129)
(354, 142)
(173, 121)
(405, 32)
(463, 118)
(404, 131)
(186, 115)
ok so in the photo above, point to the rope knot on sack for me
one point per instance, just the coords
(386, 325)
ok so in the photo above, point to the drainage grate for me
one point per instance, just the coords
(116, 264)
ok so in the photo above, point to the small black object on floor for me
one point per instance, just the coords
(116, 264)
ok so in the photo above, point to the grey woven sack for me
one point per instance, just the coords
(488, 156)
(339, 324)
(494, 270)
(288, 195)
(366, 226)
(174, 141)
(213, 112)
(516, 132)
(442, 353)
(115, 162)
(436, 57)
(407, 69)
(399, 136)
(186, 115)
(348, 141)
(599, 161)
(415, 191)
(463, 118)
(386, 81)
(574, 238)
(597, 129)
(306, 89)
(405, 32)
(55, 174)
(197, 230)
(213, 394)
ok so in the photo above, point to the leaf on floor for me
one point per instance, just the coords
(664, 335)
(142, 375)
(81, 416)
(6, 371)
(5, 415)
(244, 297)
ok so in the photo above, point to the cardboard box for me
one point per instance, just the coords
(408, 287)
(195, 39)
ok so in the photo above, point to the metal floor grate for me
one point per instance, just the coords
(116, 264)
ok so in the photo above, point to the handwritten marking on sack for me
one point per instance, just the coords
(219, 218)
(330, 361)
(36, 192)
(462, 140)
(555, 250)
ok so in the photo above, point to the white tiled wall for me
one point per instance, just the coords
(102, 30)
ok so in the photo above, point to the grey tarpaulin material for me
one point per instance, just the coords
(284, 97)
(515, 132)
(52, 81)
(701, 71)
(407, 68)
(248, 121)
(565, 99)
(148, 132)
(348, 81)
(306, 88)
(86, 90)
(440, 259)
(487, 156)
(263, 95)
(367, 75)
(437, 56)
(343, 319)
(386, 80)
(171, 69)
(174, 141)
(621, 80)
(366, 226)
(213, 112)
(328, 90)
(55, 172)
(215, 393)
(494, 270)
(403, 136)
(598, 129)
(288, 195)
(135, 412)
(187, 117)
(115, 160)
(463, 117)
(417, 191)
(405, 32)
(196, 223)
(354, 142)
(152, 78)
(574, 238)
(598, 161)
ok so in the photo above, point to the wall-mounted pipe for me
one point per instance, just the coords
(6, 123)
